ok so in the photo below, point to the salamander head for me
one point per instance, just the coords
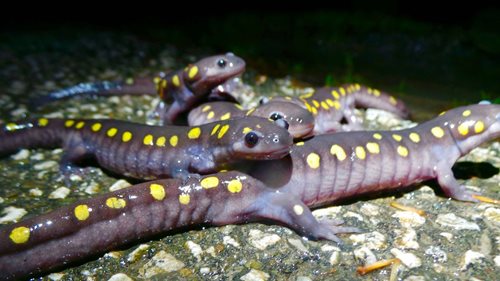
(212, 71)
(256, 138)
(472, 125)
(300, 121)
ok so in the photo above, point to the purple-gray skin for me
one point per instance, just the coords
(179, 90)
(348, 164)
(150, 152)
(300, 121)
(95, 226)
(333, 107)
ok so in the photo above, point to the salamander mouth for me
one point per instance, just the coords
(301, 132)
(269, 155)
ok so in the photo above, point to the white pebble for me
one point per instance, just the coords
(370, 209)
(119, 184)
(205, 270)
(12, 214)
(35, 192)
(409, 219)
(297, 244)
(373, 240)
(408, 259)
(414, 278)
(493, 215)
(60, 193)
(365, 254)
(327, 212)
(353, 215)
(447, 235)
(255, 275)
(497, 260)
(334, 258)
(437, 254)
(45, 165)
(261, 240)
(458, 223)
(406, 238)
(137, 253)
(120, 277)
(195, 249)
(160, 263)
(228, 240)
(21, 155)
(471, 257)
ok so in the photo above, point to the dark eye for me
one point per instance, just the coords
(251, 139)
(275, 116)
(221, 63)
(263, 100)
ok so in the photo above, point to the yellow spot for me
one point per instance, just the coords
(437, 132)
(330, 102)
(342, 91)
(157, 80)
(393, 100)
(111, 132)
(369, 90)
(115, 203)
(441, 113)
(315, 103)
(308, 107)
(173, 140)
(209, 182)
(192, 72)
(313, 160)
(335, 94)
(300, 143)
(82, 212)
(206, 108)
(96, 127)
(360, 152)
(157, 191)
(148, 140)
(42, 122)
(324, 105)
(479, 127)
(373, 147)
(463, 129)
(250, 111)
(234, 186)
(126, 136)
(214, 129)
(161, 141)
(20, 235)
(466, 113)
(210, 115)
(184, 199)
(338, 151)
(238, 106)
(223, 131)
(11, 126)
(377, 136)
(194, 133)
(80, 125)
(69, 123)
(176, 81)
(376, 93)
(414, 137)
(397, 137)
(357, 87)
(403, 151)
(299, 210)
(247, 130)
(314, 111)
(164, 83)
(226, 116)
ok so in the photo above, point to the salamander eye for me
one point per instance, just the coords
(263, 100)
(251, 139)
(282, 123)
(221, 63)
(275, 116)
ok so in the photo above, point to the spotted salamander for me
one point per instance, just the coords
(179, 90)
(330, 167)
(300, 121)
(150, 152)
(94, 226)
(332, 107)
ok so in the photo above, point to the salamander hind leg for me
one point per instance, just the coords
(452, 188)
(290, 211)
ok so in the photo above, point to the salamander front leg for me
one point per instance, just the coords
(290, 211)
(452, 188)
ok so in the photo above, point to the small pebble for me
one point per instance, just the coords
(471, 257)
(255, 275)
(12, 214)
(60, 193)
(458, 223)
(408, 259)
(120, 277)
(261, 240)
